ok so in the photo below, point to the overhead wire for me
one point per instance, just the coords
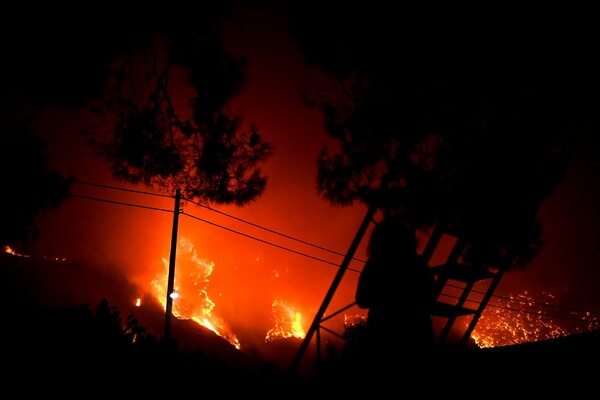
(300, 241)
(523, 301)
(118, 202)
(271, 230)
(531, 312)
(122, 189)
(265, 241)
(237, 219)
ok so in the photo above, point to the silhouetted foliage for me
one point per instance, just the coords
(30, 189)
(81, 349)
(159, 87)
(166, 118)
(443, 120)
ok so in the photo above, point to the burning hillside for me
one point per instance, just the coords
(509, 320)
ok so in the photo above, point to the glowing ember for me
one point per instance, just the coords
(521, 319)
(10, 250)
(514, 320)
(191, 284)
(288, 322)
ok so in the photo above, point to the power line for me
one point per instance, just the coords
(122, 189)
(265, 241)
(272, 231)
(354, 270)
(542, 314)
(119, 202)
(530, 312)
(219, 212)
(295, 239)
(527, 301)
(211, 223)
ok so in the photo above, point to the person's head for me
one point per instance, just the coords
(392, 236)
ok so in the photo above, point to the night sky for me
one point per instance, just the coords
(253, 267)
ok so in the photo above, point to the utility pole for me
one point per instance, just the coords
(169, 306)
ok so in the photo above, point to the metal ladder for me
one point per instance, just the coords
(456, 294)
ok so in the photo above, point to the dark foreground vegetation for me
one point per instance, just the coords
(93, 349)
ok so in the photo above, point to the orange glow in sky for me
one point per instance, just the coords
(247, 283)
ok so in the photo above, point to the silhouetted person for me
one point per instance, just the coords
(397, 288)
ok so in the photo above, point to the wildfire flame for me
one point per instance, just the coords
(10, 250)
(519, 319)
(507, 320)
(514, 320)
(191, 284)
(194, 303)
(288, 322)
(13, 252)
